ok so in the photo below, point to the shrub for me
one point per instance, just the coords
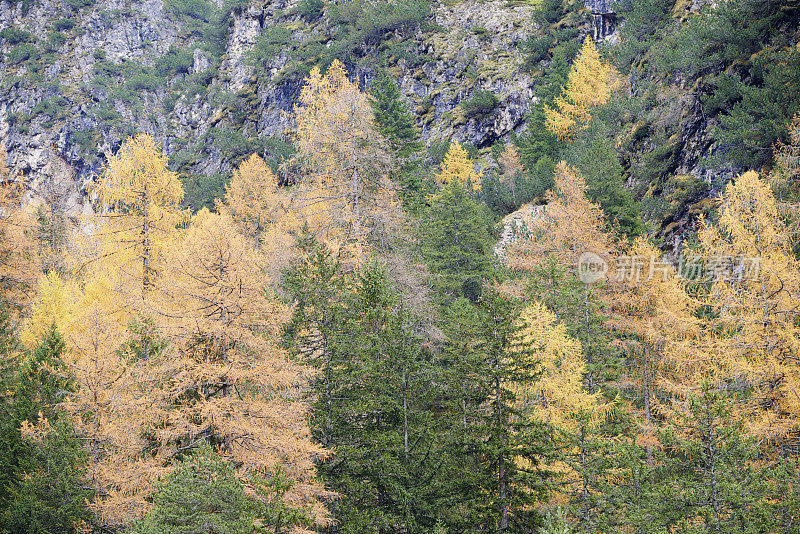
(311, 9)
(21, 53)
(80, 4)
(64, 24)
(175, 61)
(14, 36)
(481, 103)
(55, 40)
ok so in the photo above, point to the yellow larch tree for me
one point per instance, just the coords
(263, 211)
(345, 191)
(559, 399)
(458, 167)
(50, 306)
(589, 84)
(511, 168)
(143, 199)
(785, 179)
(569, 225)
(113, 406)
(558, 396)
(754, 299)
(230, 381)
(666, 348)
(19, 262)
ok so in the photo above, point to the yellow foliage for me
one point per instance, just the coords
(559, 395)
(20, 264)
(760, 337)
(457, 166)
(345, 192)
(144, 197)
(589, 84)
(263, 211)
(50, 306)
(569, 225)
(247, 391)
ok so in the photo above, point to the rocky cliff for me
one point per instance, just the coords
(78, 78)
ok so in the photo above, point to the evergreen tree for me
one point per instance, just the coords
(43, 464)
(501, 446)
(392, 118)
(455, 239)
(396, 124)
(371, 396)
(202, 496)
(705, 482)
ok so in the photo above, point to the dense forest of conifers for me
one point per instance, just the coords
(338, 346)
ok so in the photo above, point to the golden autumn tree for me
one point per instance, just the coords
(112, 407)
(756, 286)
(589, 84)
(559, 399)
(666, 347)
(512, 169)
(19, 262)
(345, 192)
(569, 225)
(262, 211)
(50, 306)
(143, 199)
(229, 381)
(785, 178)
(458, 167)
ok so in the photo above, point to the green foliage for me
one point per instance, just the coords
(49, 497)
(592, 152)
(311, 10)
(392, 117)
(14, 36)
(371, 396)
(480, 104)
(21, 53)
(64, 24)
(40, 491)
(203, 496)
(175, 61)
(486, 362)
(455, 240)
(55, 40)
(200, 190)
(704, 477)
(549, 11)
(355, 24)
(80, 4)
(270, 505)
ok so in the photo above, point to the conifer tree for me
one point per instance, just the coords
(755, 301)
(201, 495)
(589, 84)
(458, 167)
(371, 395)
(19, 263)
(392, 118)
(706, 480)
(345, 192)
(144, 197)
(455, 237)
(503, 443)
(229, 384)
(43, 464)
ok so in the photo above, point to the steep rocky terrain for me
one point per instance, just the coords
(69, 105)
(213, 82)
